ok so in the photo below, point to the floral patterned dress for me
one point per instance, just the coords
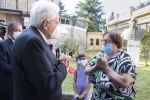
(104, 88)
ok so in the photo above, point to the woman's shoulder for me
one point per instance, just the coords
(123, 55)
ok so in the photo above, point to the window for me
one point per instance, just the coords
(97, 41)
(67, 21)
(91, 41)
(62, 21)
(79, 24)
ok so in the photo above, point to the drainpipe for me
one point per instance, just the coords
(27, 7)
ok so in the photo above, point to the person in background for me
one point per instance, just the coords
(57, 46)
(37, 73)
(81, 85)
(6, 76)
(112, 71)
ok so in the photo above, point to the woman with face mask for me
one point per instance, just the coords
(112, 71)
(81, 85)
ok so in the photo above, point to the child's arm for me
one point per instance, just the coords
(87, 90)
(74, 84)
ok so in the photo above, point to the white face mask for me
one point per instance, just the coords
(16, 34)
(56, 33)
(82, 63)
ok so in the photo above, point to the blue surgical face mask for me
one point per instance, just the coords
(82, 63)
(107, 48)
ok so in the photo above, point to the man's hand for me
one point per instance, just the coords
(65, 59)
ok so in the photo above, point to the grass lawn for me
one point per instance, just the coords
(143, 83)
(143, 80)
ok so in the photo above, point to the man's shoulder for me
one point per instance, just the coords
(28, 33)
(5, 41)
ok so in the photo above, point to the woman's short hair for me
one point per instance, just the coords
(43, 10)
(115, 37)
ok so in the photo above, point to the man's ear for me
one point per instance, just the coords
(45, 25)
(10, 32)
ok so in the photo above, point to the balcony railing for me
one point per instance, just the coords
(124, 15)
(141, 10)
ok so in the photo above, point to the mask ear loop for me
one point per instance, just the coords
(47, 30)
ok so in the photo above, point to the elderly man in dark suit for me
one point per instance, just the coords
(6, 80)
(37, 73)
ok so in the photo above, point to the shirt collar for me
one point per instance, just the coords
(43, 36)
(11, 38)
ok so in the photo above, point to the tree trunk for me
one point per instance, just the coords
(146, 57)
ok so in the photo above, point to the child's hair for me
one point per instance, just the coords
(82, 54)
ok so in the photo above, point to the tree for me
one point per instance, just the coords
(62, 8)
(91, 9)
(72, 44)
(91, 26)
(103, 25)
(141, 5)
(145, 46)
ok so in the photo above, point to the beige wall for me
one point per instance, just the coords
(94, 36)
(2, 16)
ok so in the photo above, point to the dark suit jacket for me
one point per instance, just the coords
(6, 80)
(36, 72)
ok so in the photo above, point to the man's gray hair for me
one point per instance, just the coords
(12, 24)
(43, 10)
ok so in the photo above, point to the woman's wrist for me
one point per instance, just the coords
(106, 69)
(95, 68)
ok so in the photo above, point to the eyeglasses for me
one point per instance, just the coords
(53, 25)
(57, 23)
(106, 40)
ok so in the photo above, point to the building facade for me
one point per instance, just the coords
(121, 21)
(94, 40)
(19, 11)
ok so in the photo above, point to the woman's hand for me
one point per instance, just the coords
(77, 96)
(102, 63)
(81, 97)
(122, 80)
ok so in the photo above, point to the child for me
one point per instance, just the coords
(81, 85)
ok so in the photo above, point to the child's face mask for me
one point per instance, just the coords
(82, 63)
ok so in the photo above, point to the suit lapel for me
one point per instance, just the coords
(48, 49)
(38, 33)
(10, 42)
